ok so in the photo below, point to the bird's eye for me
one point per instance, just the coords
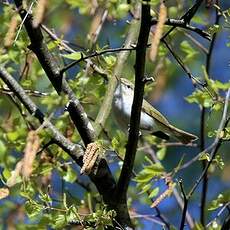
(129, 86)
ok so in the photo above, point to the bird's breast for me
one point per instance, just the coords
(122, 105)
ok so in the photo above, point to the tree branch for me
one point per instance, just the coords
(226, 223)
(117, 73)
(196, 42)
(216, 145)
(95, 54)
(39, 47)
(183, 24)
(103, 179)
(127, 167)
(226, 206)
(202, 138)
(187, 16)
(194, 80)
(175, 191)
(67, 48)
(205, 181)
(64, 143)
(185, 205)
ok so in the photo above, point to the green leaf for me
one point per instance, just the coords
(145, 188)
(204, 156)
(161, 153)
(220, 85)
(154, 192)
(219, 161)
(2, 150)
(83, 6)
(29, 190)
(220, 201)
(215, 226)
(123, 10)
(72, 214)
(214, 29)
(6, 173)
(12, 136)
(2, 147)
(217, 106)
(60, 221)
(155, 169)
(149, 172)
(51, 45)
(73, 56)
(45, 168)
(33, 209)
(188, 50)
(143, 177)
(198, 226)
(115, 143)
(45, 197)
(201, 98)
(45, 220)
(70, 175)
(110, 60)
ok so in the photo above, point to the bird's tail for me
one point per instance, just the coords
(182, 136)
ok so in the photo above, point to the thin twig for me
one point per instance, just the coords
(178, 144)
(66, 46)
(96, 25)
(196, 42)
(33, 93)
(219, 213)
(117, 73)
(216, 145)
(193, 79)
(182, 24)
(54, 37)
(194, 159)
(176, 194)
(95, 29)
(103, 180)
(18, 106)
(149, 218)
(185, 205)
(63, 142)
(202, 124)
(159, 214)
(217, 142)
(187, 16)
(95, 54)
(39, 47)
(23, 20)
(205, 181)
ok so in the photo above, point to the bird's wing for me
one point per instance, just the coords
(179, 134)
(151, 111)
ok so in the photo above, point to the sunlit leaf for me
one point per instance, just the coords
(4, 192)
(154, 192)
(73, 56)
(222, 199)
(161, 153)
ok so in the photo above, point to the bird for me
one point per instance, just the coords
(151, 121)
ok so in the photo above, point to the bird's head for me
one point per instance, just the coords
(124, 87)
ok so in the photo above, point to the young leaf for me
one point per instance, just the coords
(154, 192)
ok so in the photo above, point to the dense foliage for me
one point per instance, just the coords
(73, 50)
